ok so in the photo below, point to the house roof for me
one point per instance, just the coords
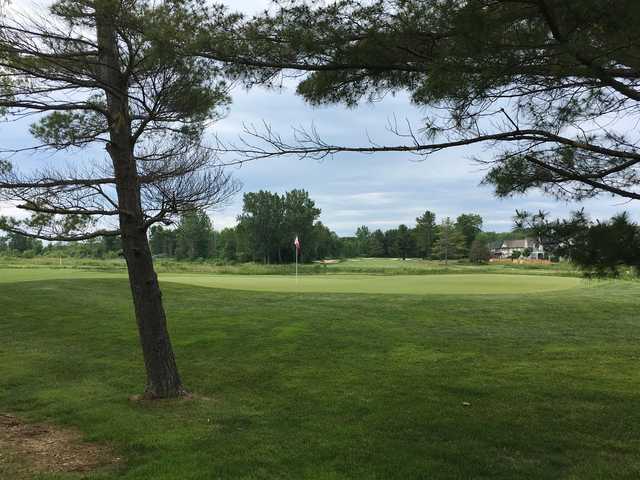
(522, 243)
(495, 245)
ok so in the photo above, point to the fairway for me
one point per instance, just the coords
(319, 386)
(439, 284)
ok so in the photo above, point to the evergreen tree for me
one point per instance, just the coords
(600, 248)
(404, 241)
(553, 66)
(119, 74)
(470, 225)
(363, 235)
(450, 243)
(425, 233)
(376, 244)
(391, 242)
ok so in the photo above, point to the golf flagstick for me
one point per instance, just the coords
(296, 244)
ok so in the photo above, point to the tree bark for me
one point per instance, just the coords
(163, 379)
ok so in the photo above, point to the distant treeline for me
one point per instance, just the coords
(269, 222)
(267, 226)
(14, 244)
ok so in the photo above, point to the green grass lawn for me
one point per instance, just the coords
(455, 284)
(404, 284)
(331, 386)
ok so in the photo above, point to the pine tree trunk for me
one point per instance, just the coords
(163, 379)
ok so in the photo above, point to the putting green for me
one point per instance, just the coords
(456, 284)
(392, 284)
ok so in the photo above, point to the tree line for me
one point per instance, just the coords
(265, 231)
(269, 222)
(429, 239)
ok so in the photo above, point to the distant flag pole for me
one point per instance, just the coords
(296, 243)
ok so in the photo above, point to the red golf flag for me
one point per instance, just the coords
(296, 242)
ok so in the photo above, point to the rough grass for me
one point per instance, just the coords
(337, 386)
(379, 266)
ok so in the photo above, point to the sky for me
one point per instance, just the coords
(380, 191)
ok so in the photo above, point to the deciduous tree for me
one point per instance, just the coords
(262, 219)
(194, 236)
(300, 215)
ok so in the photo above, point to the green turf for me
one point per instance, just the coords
(337, 386)
(401, 284)
(459, 284)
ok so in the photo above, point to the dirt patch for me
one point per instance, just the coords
(34, 448)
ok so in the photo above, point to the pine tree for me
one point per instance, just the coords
(425, 233)
(118, 74)
(450, 243)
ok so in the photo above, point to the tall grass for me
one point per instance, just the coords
(376, 266)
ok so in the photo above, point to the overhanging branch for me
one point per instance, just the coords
(63, 237)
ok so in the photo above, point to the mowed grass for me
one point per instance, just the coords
(455, 284)
(337, 386)
(405, 284)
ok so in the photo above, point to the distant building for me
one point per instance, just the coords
(506, 248)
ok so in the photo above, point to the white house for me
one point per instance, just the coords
(507, 247)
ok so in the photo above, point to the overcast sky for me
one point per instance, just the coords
(380, 191)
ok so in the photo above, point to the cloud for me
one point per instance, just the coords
(9, 209)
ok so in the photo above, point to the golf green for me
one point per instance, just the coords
(455, 284)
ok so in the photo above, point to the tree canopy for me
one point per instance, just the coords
(269, 223)
(552, 85)
(59, 67)
(600, 248)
